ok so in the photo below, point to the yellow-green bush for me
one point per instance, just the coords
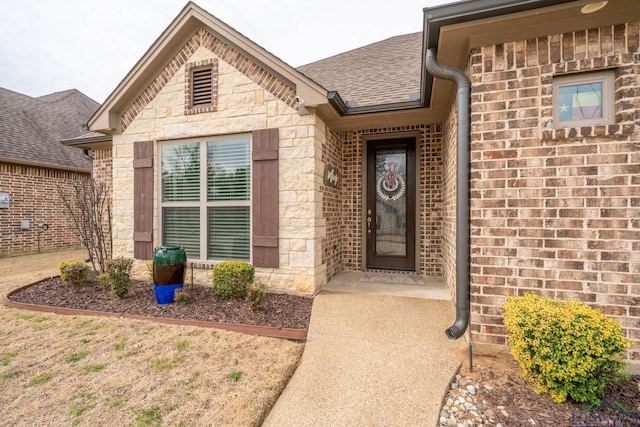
(231, 278)
(74, 273)
(256, 296)
(118, 275)
(566, 349)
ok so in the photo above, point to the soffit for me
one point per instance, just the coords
(456, 40)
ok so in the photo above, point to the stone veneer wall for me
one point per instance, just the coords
(556, 212)
(248, 99)
(34, 196)
(429, 194)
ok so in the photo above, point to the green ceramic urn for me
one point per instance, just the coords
(169, 265)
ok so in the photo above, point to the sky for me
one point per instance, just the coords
(90, 45)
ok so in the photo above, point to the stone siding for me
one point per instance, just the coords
(248, 98)
(554, 211)
(34, 197)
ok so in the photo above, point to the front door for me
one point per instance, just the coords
(390, 219)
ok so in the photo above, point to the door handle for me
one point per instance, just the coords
(369, 224)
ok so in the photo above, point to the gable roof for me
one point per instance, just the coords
(385, 72)
(191, 20)
(384, 83)
(31, 128)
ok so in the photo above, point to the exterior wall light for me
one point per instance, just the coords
(593, 7)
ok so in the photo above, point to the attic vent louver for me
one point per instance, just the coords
(202, 81)
(201, 90)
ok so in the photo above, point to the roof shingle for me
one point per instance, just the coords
(380, 73)
(31, 128)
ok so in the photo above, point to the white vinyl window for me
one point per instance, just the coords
(583, 100)
(205, 197)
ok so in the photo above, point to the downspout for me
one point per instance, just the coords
(463, 275)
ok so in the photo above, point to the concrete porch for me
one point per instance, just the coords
(393, 284)
(376, 354)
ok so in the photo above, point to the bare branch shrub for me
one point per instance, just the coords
(87, 206)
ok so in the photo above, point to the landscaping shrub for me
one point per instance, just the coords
(566, 349)
(231, 278)
(181, 296)
(75, 273)
(118, 275)
(256, 296)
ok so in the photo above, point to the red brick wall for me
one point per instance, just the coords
(554, 211)
(449, 152)
(332, 207)
(33, 193)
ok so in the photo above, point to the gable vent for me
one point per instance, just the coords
(202, 81)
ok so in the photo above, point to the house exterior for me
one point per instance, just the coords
(497, 150)
(34, 165)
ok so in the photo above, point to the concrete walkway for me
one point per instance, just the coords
(376, 355)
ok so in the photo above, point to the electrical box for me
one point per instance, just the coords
(24, 224)
(4, 200)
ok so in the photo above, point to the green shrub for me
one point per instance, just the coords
(566, 349)
(231, 278)
(103, 280)
(119, 275)
(75, 273)
(256, 296)
(181, 296)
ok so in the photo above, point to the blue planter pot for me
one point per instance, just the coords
(165, 293)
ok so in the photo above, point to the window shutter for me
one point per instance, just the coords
(143, 199)
(265, 199)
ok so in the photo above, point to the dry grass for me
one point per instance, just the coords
(88, 371)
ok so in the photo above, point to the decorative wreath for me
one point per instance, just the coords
(390, 186)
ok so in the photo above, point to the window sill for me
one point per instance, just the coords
(588, 132)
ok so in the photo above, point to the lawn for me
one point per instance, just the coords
(90, 371)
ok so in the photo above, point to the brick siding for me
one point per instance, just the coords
(429, 195)
(34, 196)
(332, 244)
(554, 211)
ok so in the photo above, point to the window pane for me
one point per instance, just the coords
(181, 172)
(580, 101)
(229, 233)
(228, 173)
(181, 226)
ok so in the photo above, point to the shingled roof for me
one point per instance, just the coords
(380, 73)
(31, 128)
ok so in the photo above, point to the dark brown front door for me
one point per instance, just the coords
(390, 219)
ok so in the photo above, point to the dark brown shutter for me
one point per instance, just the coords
(265, 212)
(143, 199)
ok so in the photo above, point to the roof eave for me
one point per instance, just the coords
(465, 11)
(98, 142)
(45, 165)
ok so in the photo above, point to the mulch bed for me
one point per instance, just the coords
(514, 401)
(279, 310)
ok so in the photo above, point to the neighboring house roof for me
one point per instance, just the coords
(385, 72)
(31, 128)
